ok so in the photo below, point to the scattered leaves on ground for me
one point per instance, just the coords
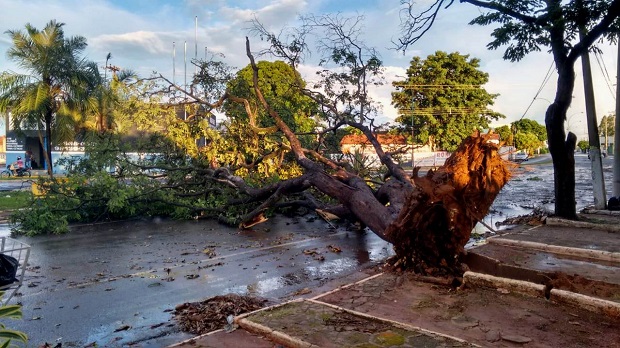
(209, 315)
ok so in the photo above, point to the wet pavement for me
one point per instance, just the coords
(115, 284)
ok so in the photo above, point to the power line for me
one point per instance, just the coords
(456, 86)
(545, 80)
(603, 68)
(421, 111)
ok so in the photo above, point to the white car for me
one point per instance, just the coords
(520, 157)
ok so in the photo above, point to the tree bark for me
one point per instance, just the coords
(48, 144)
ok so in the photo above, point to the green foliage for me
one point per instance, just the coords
(8, 336)
(10, 200)
(527, 141)
(252, 142)
(530, 126)
(505, 134)
(583, 145)
(607, 126)
(448, 100)
(280, 84)
(530, 30)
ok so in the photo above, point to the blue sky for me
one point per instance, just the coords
(140, 35)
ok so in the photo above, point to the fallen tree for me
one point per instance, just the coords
(427, 218)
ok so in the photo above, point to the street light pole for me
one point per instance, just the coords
(412, 136)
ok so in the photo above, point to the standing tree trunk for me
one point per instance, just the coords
(562, 147)
(48, 144)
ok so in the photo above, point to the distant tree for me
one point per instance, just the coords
(249, 121)
(566, 28)
(449, 103)
(505, 134)
(583, 145)
(102, 103)
(527, 141)
(606, 127)
(58, 81)
(526, 125)
(281, 85)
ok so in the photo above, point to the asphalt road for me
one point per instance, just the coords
(115, 284)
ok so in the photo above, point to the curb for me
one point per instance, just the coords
(551, 221)
(592, 304)
(602, 212)
(556, 249)
(488, 281)
(342, 287)
(190, 340)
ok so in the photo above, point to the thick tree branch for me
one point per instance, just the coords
(496, 6)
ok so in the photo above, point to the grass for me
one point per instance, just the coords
(10, 200)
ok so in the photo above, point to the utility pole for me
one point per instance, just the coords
(598, 181)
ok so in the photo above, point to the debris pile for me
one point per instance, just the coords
(211, 314)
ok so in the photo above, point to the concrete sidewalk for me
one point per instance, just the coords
(553, 285)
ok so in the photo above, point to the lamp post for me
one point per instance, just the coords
(412, 136)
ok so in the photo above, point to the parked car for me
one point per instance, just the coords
(520, 157)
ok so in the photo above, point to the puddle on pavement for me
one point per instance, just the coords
(5, 230)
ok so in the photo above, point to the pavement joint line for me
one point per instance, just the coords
(222, 257)
(342, 287)
(265, 309)
(393, 322)
(561, 250)
(274, 335)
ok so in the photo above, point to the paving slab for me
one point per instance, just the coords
(311, 323)
(481, 316)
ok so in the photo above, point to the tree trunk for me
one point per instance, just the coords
(48, 144)
(562, 147)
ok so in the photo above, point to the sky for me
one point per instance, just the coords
(140, 35)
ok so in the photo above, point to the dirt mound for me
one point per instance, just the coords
(202, 317)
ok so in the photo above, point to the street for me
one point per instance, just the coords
(115, 284)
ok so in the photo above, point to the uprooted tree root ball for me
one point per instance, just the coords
(202, 317)
(431, 232)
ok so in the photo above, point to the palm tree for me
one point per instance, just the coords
(102, 102)
(57, 81)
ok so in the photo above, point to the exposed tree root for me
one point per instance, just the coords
(436, 222)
